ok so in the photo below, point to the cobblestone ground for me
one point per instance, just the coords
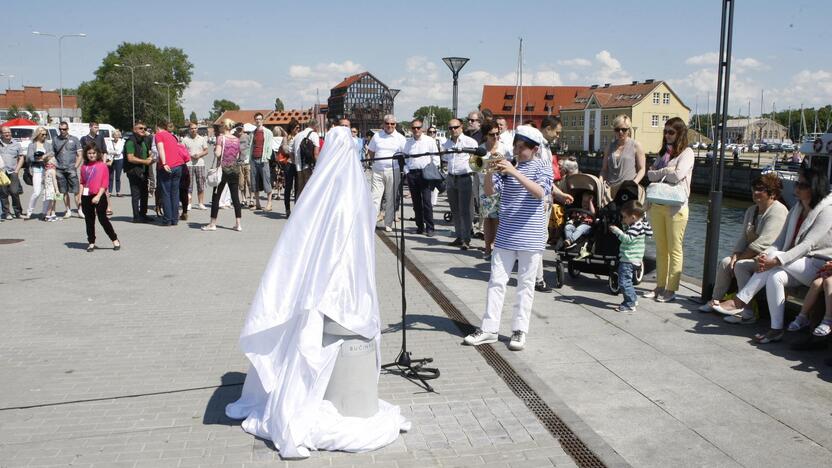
(128, 358)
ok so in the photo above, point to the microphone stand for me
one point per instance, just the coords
(405, 365)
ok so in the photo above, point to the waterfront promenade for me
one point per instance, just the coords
(127, 359)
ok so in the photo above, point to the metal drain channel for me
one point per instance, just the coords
(571, 444)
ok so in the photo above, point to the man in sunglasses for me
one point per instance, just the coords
(68, 158)
(420, 188)
(385, 144)
(459, 182)
(137, 162)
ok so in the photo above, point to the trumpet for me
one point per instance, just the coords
(486, 164)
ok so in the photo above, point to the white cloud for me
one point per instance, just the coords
(709, 58)
(247, 85)
(300, 71)
(576, 62)
(609, 69)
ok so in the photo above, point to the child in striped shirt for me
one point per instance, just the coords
(631, 251)
(521, 236)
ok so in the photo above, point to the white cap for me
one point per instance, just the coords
(529, 134)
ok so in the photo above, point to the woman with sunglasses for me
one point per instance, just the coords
(37, 151)
(624, 159)
(674, 166)
(795, 258)
(761, 225)
(490, 204)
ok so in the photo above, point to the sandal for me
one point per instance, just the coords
(208, 227)
(799, 323)
(823, 329)
(770, 336)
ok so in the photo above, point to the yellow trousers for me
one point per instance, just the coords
(669, 233)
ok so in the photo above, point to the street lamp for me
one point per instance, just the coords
(455, 64)
(9, 77)
(132, 84)
(393, 93)
(60, 39)
(168, 86)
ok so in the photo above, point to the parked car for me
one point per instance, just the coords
(788, 147)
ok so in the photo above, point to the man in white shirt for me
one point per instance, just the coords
(459, 183)
(420, 189)
(197, 147)
(304, 168)
(506, 136)
(385, 144)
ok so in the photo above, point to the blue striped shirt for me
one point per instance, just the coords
(522, 216)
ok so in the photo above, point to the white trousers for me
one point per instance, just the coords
(386, 184)
(539, 276)
(37, 190)
(801, 271)
(502, 261)
(743, 270)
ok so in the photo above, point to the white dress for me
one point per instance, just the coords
(323, 265)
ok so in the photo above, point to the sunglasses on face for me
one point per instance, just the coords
(453, 127)
(670, 132)
(494, 134)
(473, 120)
(64, 129)
(621, 130)
(390, 123)
(415, 128)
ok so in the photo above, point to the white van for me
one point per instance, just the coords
(79, 129)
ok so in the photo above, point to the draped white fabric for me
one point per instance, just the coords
(323, 264)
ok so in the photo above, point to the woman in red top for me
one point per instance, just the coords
(95, 180)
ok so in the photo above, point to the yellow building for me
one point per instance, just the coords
(587, 121)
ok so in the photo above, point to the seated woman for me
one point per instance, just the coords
(821, 284)
(797, 255)
(762, 224)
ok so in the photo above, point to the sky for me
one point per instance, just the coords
(298, 50)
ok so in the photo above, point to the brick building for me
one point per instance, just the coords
(46, 103)
(528, 103)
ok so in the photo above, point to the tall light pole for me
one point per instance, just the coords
(393, 93)
(168, 86)
(132, 83)
(455, 64)
(9, 77)
(60, 39)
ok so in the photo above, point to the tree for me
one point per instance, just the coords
(278, 105)
(30, 108)
(13, 112)
(220, 106)
(434, 115)
(107, 97)
(192, 117)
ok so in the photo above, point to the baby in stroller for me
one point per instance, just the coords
(580, 221)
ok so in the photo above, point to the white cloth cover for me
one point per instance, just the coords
(323, 264)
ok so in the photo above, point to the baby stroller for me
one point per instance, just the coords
(601, 243)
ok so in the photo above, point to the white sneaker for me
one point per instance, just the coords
(80, 213)
(480, 337)
(202, 207)
(67, 214)
(388, 229)
(518, 341)
(189, 206)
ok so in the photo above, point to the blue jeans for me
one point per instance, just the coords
(169, 186)
(573, 233)
(626, 273)
(115, 175)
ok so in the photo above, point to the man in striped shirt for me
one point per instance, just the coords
(520, 236)
(631, 251)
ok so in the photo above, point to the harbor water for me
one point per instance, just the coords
(729, 231)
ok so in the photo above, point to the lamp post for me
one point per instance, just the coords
(718, 163)
(167, 90)
(9, 77)
(455, 64)
(132, 84)
(60, 39)
(393, 93)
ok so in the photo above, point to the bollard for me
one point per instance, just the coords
(353, 386)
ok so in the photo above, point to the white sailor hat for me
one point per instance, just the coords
(529, 134)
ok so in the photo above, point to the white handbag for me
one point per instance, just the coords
(662, 193)
(214, 176)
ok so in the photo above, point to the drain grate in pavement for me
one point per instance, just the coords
(10, 241)
(571, 444)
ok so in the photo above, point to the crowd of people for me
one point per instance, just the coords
(512, 205)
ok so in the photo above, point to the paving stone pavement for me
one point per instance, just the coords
(128, 358)
(665, 386)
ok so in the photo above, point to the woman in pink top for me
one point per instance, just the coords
(95, 180)
(226, 151)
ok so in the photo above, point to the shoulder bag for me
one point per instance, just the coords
(662, 193)
(215, 173)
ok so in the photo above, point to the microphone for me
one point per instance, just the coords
(479, 151)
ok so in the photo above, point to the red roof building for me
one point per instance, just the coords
(537, 101)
